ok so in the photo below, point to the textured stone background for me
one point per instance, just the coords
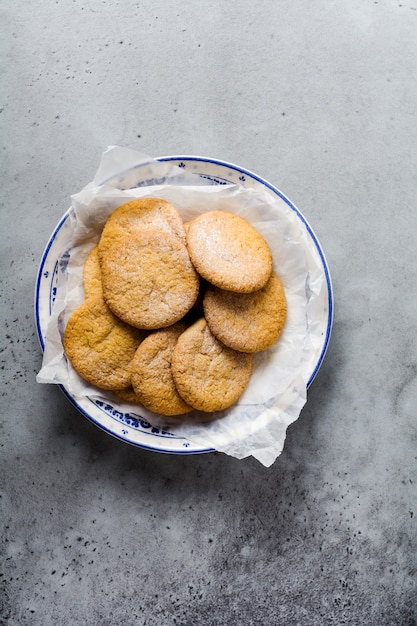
(319, 98)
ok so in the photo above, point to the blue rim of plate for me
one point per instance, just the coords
(235, 174)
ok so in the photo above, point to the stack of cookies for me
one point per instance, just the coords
(174, 311)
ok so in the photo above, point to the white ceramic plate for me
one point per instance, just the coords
(132, 427)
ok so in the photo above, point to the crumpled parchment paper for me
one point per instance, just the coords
(256, 425)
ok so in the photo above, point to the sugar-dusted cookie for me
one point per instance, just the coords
(137, 215)
(249, 322)
(229, 252)
(151, 372)
(209, 376)
(99, 345)
(92, 274)
(148, 278)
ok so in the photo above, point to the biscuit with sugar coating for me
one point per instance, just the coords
(152, 378)
(99, 345)
(209, 376)
(248, 322)
(140, 214)
(92, 274)
(229, 252)
(148, 278)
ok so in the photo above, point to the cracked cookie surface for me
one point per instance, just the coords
(99, 345)
(148, 278)
(152, 378)
(140, 214)
(209, 376)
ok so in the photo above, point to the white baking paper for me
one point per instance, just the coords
(256, 425)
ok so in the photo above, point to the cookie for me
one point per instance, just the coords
(248, 322)
(209, 376)
(137, 215)
(148, 278)
(152, 379)
(99, 345)
(92, 274)
(229, 252)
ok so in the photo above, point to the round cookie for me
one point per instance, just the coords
(99, 345)
(152, 379)
(137, 215)
(248, 322)
(148, 278)
(92, 274)
(229, 252)
(209, 376)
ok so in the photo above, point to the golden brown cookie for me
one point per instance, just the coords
(99, 345)
(148, 278)
(137, 215)
(209, 376)
(151, 373)
(249, 322)
(229, 252)
(92, 274)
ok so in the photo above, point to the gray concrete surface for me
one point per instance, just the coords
(319, 98)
